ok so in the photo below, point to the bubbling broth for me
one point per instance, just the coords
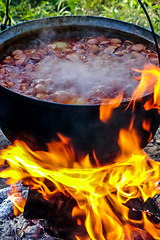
(80, 71)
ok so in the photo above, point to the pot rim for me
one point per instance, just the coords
(142, 32)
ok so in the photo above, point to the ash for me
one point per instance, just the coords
(18, 228)
(12, 227)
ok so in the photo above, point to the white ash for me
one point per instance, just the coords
(18, 228)
(6, 206)
(9, 190)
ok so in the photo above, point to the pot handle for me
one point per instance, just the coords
(152, 29)
(4, 26)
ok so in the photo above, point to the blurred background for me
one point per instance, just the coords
(125, 10)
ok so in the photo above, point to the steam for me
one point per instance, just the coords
(86, 78)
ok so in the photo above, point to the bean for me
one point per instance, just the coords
(40, 88)
(17, 57)
(138, 47)
(106, 57)
(93, 49)
(93, 41)
(35, 56)
(102, 38)
(49, 82)
(105, 43)
(29, 51)
(62, 97)
(137, 55)
(129, 48)
(23, 87)
(8, 68)
(58, 53)
(78, 46)
(29, 67)
(153, 58)
(146, 51)
(67, 51)
(72, 57)
(10, 84)
(115, 40)
(7, 61)
(9, 58)
(127, 43)
(122, 52)
(13, 75)
(117, 45)
(80, 101)
(2, 71)
(41, 96)
(51, 47)
(91, 57)
(41, 52)
(20, 61)
(81, 51)
(109, 50)
(17, 52)
(98, 61)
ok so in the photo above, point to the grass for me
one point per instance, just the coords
(125, 10)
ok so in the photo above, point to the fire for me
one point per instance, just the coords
(150, 80)
(101, 192)
(18, 200)
(108, 105)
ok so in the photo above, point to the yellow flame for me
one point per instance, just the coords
(133, 175)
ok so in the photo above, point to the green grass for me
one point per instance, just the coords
(126, 10)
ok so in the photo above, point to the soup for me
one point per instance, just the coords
(79, 71)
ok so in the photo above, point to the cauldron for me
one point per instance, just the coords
(38, 122)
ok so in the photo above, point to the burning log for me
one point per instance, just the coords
(60, 223)
(137, 206)
(58, 214)
(20, 228)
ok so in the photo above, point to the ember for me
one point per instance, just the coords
(100, 201)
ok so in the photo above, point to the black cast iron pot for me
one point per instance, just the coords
(37, 122)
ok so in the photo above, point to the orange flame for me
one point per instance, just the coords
(101, 192)
(108, 105)
(18, 201)
(150, 82)
(146, 125)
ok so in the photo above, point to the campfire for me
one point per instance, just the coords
(91, 201)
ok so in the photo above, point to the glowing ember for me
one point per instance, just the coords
(101, 192)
